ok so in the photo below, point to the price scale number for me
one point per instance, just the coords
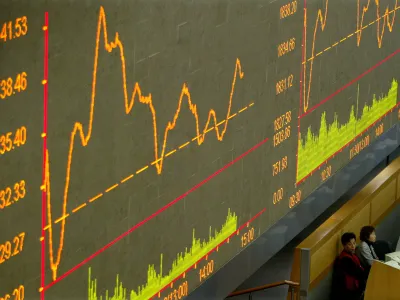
(10, 249)
(17, 294)
(284, 84)
(12, 85)
(286, 47)
(12, 194)
(280, 166)
(277, 196)
(14, 29)
(11, 140)
(288, 9)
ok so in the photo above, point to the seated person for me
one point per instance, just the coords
(365, 250)
(349, 276)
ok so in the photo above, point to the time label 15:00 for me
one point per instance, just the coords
(14, 29)
(12, 85)
(12, 140)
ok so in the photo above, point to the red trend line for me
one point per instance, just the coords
(126, 233)
(212, 250)
(129, 101)
(44, 136)
(350, 83)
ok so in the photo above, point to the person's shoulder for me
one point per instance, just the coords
(362, 248)
(361, 245)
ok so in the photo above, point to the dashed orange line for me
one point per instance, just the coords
(141, 170)
(61, 218)
(111, 188)
(79, 207)
(222, 122)
(170, 153)
(127, 178)
(184, 145)
(156, 161)
(208, 130)
(232, 116)
(242, 110)
(96, 197)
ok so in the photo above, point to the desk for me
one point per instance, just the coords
(392, 256)
(393, 259)
(383, 280)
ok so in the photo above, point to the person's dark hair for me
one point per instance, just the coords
(366, 232)
(347, 237)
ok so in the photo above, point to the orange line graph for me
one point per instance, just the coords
(321, 23)
(78, 130)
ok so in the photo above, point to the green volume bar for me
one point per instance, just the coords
(157, 280)
(315, 149)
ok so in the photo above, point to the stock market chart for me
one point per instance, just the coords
(144, 144)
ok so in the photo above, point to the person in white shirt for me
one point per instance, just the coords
(365, 250)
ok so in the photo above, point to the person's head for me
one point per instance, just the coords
(367, 234)
(349, 242)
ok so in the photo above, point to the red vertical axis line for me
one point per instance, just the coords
(301, 83)
(44, 137)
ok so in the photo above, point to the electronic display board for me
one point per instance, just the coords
(144, 144)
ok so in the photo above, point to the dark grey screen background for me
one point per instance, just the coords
(167, 44)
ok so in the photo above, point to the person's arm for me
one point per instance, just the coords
(366, 253)
(352, 269)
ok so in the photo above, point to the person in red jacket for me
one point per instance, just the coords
(349, 276)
